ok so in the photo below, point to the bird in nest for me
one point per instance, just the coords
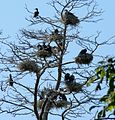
(83, 52)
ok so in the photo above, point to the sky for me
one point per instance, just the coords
(12, 19)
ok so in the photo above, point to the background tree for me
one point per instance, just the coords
(36, 65)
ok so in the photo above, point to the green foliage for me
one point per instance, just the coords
(105, 73)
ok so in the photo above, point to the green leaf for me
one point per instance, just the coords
(91, 80)
(111, 106)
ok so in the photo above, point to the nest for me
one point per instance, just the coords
(84, 58)
(74, 87)
(61, 104)
(56, 37)
(29, 66)
(43, 53)
(70, 20)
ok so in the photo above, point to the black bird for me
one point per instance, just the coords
(62, 96)
(49, 49)
(44, 46)
(56, 31)
(10, 80)
(68, 13)
(72, 78)
(41, 98)
(36, 13)
(39, 47)
(83, 52)
(67, 76)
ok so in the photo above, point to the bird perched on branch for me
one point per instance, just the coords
(10, 80)
(72, 78)
(70, 18)
(56, 31)
(67, 76)
(69, 13)
(83, 52)
(49, 49)
(44, 46)
(36, 13)
(39, 47)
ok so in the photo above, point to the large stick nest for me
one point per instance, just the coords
(74, 87)
(56, 37)
(43, 53)
(28, 65)
(84, 58)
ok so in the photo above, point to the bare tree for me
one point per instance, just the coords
(42, 71)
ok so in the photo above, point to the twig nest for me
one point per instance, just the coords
(61, 104)
(56, 37)
(69, 18)
(29, 66)
(74, 87)
(43, 53)
(84, 58)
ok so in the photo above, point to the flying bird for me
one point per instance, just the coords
(36, 13)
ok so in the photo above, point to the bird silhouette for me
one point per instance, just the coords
(36, 13)
(67, 76)
(10, 80)
(83, 52)
(56, 31)
(72, 78)
(39, 47)
(62, 96)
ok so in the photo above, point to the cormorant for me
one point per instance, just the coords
(56, 31)
(72, 78)
(44, 46)
(10, 80)
(39, 47)
(68, 13)
(49, 49)
(67, 76)
(83, 52)
(36, 13)
(62, 96)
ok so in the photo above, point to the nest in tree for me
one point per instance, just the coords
(43, 53)
(74, 87)
(84, 58)
(29, 66)
(70, 19)
(56, 37)
(61, 104)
